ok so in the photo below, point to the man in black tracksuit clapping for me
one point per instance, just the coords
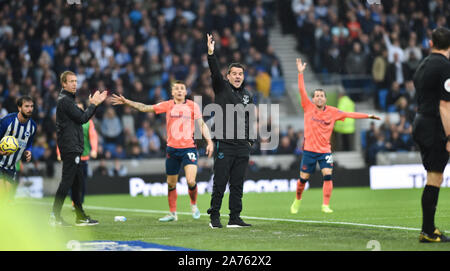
(70, 140)
(233, 137)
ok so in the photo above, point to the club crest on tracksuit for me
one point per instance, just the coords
(245, 99)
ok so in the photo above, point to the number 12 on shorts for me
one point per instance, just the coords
(192, 156)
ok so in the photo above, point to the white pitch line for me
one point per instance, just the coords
(254, 218)
(261, 218)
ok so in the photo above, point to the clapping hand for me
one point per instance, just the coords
(98, 97)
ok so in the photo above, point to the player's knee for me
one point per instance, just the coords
(435, 179)
(191, 183)
(304, 175)
(172, 182)
(303, 180)
(327, 177)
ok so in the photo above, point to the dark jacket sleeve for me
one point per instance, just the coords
(76, 114)
(218, 82)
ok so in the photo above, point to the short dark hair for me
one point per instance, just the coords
(441, 38)
(318, 89)
(175, 82)
(24, 99)
(235, 65)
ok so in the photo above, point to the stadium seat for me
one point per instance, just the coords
(363, 139)
(277, 88)
(109, 147)
(382, 94)
(391, 108)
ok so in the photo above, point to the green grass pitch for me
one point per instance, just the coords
(390, 219)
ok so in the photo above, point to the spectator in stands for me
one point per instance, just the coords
(356, 61)
(150, 142)
(285, 146)
(395, 143)
(404, 128)
(405, 109)
(101, 169)
(379, 70)
(373, 149)
(117, 169)
(393, 47)
(410, 92)
(111, 127)
(395, 92)
(353, 26)
(263, 81)
(397, 71)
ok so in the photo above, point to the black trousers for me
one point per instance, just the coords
(84, 165)
(230, 165)
(72, 178)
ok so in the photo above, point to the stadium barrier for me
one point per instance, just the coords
(402, 176)
(265, 180)
(35, 183)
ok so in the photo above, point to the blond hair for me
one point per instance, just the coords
(63, 76)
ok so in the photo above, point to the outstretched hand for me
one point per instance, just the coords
(210, 44)
(374, 117)
(118, 99)
(301, 67)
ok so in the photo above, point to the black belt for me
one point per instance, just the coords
(428, 116)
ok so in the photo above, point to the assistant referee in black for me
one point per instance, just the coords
(70, 140)
(232, 147)
(431, 126)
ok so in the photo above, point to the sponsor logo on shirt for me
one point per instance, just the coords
(321, 121)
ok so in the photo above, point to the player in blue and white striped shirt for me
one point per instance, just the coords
(21, 126)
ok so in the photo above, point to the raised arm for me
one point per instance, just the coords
(119, 100)
(301, 83)
(217, 78)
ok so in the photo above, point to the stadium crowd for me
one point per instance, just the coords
(383, 43)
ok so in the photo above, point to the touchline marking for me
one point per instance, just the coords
(252, 217)
(261, 218)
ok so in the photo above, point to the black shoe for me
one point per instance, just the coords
(85, 221)
(215, 223)
(237, 223)
(435, 237)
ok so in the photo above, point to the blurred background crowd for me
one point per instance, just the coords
(372, 47)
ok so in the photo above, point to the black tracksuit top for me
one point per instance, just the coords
(227, 94)
(69, 121)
